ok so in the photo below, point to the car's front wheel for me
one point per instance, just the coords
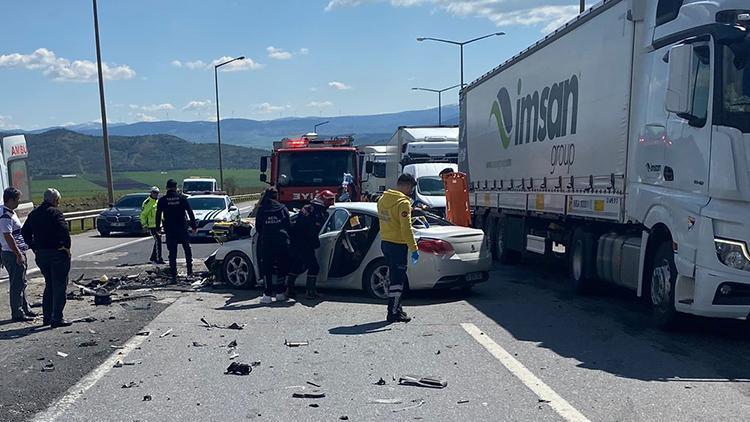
(237, 271)
(103, 233)
(376, 279)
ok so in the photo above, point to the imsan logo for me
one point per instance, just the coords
(538, 116)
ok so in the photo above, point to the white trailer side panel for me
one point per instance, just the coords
(562, 110)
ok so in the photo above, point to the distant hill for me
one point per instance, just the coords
(367, 129)
(61, 151)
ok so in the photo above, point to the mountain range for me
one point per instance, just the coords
(366, 129)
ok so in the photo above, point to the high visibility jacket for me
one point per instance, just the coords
(148, 213)
(394, 213)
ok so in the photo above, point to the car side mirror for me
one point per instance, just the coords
(680, 82)
(263, 164)
(233, 208)
(263, 178)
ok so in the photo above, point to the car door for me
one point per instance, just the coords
(329, 237)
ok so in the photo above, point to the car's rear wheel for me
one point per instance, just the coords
(237, 271)
(376, 279)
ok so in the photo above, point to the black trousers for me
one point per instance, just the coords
(303, 259)
(174, 238)
(54, 265)
(156, 250)
(396, 256)
(274, 261)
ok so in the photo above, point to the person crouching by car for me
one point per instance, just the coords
(148, 221)
(272, 224)
(305, 241)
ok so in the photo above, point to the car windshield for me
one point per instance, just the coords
(207, 203)
(736, 85)
(315, 168)
(430, 186)
(131, 201)
(197, 186)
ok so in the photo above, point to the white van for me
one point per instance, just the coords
(430, 191)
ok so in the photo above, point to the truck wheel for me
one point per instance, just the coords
(499, 251)
(661, 287)
(580, 256)
(237, 271)
(376, 279)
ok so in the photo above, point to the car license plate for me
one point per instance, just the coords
(474, 276)
(118, 224)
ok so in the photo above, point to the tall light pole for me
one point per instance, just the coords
(218, 119)
(105, 135)
(315, 127)
(440, 99)
(461, 44)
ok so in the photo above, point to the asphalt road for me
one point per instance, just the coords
(520, 347)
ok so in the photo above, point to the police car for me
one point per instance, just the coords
(209, 209)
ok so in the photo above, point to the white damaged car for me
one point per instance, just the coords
(209, 209)
(350, 255)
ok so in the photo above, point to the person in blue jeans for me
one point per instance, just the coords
(397, 241)
(14, 256)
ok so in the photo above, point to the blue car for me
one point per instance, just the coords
(124, 216)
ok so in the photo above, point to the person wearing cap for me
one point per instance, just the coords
(148, 222)
(305, 241)
(173, 210)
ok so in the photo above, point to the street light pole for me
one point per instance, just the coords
(105, 135)
(218, 118)
(315, 127)
(461, 45)
(440, 99)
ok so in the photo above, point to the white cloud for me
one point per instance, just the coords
(339, 85)
(304, 51)
(157, 107)
(267, 108)
(141, 117)
(319, 104)
(278, 53)
(61, 69)
(5, 122)
(197, 105)
(549, 13)
(244, 64)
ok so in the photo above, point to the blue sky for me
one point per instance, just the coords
(304, 57)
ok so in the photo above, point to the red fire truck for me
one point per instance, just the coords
(303, 166)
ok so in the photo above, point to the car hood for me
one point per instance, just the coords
(210, 214)
(121, 211)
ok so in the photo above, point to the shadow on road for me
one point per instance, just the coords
(359, 329)
(610, 331)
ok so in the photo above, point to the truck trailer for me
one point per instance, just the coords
(621, 141)
(420, 144)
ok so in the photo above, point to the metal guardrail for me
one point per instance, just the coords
(82, 216)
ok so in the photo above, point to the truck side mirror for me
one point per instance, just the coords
(681, 79)
(369, 167)
(263, 164)
(263, 178)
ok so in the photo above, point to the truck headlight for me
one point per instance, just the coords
(733, 254)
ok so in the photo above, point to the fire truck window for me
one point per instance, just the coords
(315, 168)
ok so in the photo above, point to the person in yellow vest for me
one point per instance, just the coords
(397, 241)
(148, 221)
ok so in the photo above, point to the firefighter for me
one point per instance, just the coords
(173, 210)
(148, 221)
(397, 241)
(272, 225)
(305, 241)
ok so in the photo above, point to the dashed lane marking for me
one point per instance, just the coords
(542, 390)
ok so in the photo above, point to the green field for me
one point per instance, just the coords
(87, 191)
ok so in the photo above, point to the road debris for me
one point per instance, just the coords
(315, 394)
(147, 397)
(84, 319)
(232, 344)
(429, 382)
(203, 320)
(143, 333)
(313, 405)
(237, 368)
(381, 381)
(131, 384)
(386, 401)
(344, 418)
(313, 384)
(62, 354)
(419, 403)
(462, 401)
(234, 356)
(196, 344)
(89, 343)
(48, 367)
(295, 343)
(166, 333)
(543, 401)
(234, 326)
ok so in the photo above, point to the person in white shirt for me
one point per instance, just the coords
(14, 256)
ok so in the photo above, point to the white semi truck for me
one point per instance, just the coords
(420, 144)
(622, 140)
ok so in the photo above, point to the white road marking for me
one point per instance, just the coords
(542, 390)
(76, 391)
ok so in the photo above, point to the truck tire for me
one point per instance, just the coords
(237, 271)
(499, 251)
(662, 281)
(580, 258)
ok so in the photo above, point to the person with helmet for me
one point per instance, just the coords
(272, 226)
(148, 222)
(305, 241)
(176, 210)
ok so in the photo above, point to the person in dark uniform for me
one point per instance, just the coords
(305, 241)
(174, 211)
(272, 225)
